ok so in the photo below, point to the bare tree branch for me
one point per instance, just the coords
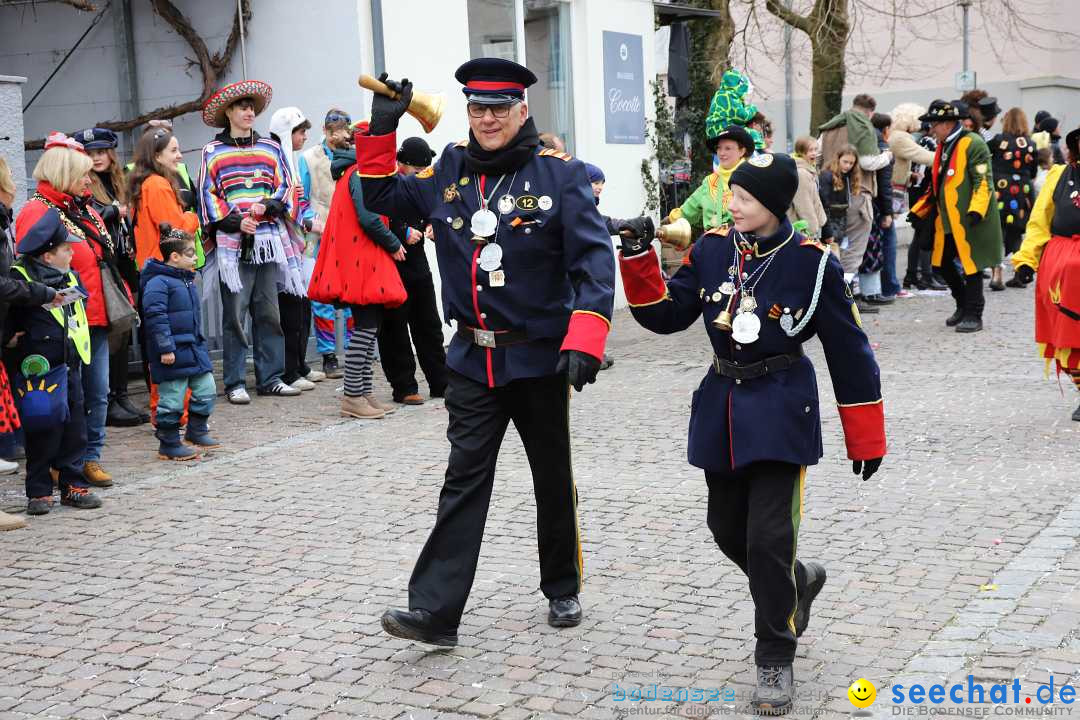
(212, 67)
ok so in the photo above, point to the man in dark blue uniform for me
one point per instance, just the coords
(763, 290)
(528, 273)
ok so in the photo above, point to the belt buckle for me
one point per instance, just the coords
(484, 338)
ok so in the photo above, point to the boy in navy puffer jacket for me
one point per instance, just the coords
(176, 346)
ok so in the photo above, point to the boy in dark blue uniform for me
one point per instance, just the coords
(528, 274)
(57, 336)
(763, 290)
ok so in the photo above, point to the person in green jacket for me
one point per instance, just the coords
(966, 227)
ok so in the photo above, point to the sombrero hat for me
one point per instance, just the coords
(213, 113)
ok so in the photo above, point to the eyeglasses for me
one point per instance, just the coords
(501, 111)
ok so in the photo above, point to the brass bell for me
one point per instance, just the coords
(425, 107)
(723, 321)
(677, 234)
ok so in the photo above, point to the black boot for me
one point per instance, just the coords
(775, 689)
(815, 580)
(330, 366)
(954, 319)
(170, 447)
(198, 431)
(419, 625)
(1076, 414)
(118, 416)
(564, 612)
(970, 324)
(124, 401)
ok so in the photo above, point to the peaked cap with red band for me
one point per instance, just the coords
(494, 81)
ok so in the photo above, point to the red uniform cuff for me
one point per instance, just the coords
(642, 281)
(376, 155)
(587, 333)
(864, 430)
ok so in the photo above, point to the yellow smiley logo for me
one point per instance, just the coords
(862, 693)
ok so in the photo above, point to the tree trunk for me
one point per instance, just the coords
(721, 35)
(826, 96)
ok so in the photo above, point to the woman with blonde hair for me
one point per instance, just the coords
(913, 158)
(848, 209)
(63, 174)
(806, 205)
(108, 190)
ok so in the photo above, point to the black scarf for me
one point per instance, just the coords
(507, 159)
(44, 273)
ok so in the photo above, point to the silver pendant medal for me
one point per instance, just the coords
(491, 257)
(746, 328)
(483, 223)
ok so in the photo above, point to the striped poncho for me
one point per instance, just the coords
(234, 178)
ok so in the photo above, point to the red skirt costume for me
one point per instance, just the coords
(351, 268)
(9, 416)
(1052, 247)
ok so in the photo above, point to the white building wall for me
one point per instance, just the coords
(11, 133)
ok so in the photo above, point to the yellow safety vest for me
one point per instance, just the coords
(80, 334)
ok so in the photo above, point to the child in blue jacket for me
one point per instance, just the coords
(176, 346)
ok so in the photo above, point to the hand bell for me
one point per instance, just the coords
(425, 107)
(677, 234)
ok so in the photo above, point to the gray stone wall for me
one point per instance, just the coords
(11, 133)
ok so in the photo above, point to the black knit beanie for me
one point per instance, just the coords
(771, 178)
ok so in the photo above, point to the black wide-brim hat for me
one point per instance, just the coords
(260, 93)
(943, 110)
(737, 133)
(494, 81)
(989, 108)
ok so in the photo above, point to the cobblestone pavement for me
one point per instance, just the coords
(250, 584)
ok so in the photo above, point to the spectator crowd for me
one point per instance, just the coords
(106, 258)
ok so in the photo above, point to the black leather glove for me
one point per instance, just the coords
(867, 468)
(385, 113)
(580, 368)
(639, 233)
(1025, 274)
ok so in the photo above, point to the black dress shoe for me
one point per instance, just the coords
(997, 285)
(815, 580)
(118, 416)
(866, 308)
(419, 625)
(936, 283)
(879, 300)
(125, 402)
(564, 612)
(969, 325)
(1076, 414)
(1015, 282)
(954, 319)
(775, 689)
(910, 281)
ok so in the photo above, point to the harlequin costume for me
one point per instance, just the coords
(1014, 167)
(966, 225)
(1052, 249)
(754, 419)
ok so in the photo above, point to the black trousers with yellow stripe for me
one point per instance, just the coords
(479, 417)
(754, 515)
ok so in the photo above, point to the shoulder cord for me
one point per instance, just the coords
(73, 227)
(814, 300)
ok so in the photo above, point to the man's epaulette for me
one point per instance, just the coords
(721, 230)
(811, 242)
(426, 172)
(548, 152)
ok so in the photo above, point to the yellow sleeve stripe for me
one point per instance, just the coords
(590, 312)
(654, 302)
(874, 402)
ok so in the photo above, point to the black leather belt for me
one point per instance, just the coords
(738, 372)
(492, 338)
